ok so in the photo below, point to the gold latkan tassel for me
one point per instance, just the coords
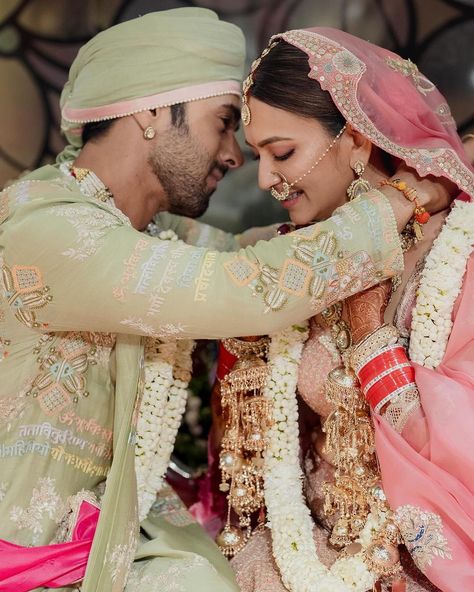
(243, 443)
(350, 439)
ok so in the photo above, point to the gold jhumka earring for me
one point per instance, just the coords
(359, 185)
(241, 458)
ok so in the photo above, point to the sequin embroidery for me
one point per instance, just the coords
(422, 533)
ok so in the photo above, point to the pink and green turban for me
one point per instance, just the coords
(156, 60)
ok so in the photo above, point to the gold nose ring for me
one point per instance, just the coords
(285, 192)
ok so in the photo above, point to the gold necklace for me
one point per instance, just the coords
(89, 183)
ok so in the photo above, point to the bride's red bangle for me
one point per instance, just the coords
(384, 361)
(389, 386)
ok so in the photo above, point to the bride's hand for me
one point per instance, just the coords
(364, 312)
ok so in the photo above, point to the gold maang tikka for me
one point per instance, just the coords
(245, 114)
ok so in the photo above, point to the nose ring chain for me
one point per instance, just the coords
(286, 187)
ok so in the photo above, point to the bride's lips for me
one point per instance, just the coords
(292, 200)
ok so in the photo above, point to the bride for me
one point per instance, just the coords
(331, 117)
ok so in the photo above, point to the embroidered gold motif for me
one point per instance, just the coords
(409, 69)
(62, 377)
(295, 277)
(25, 292)
(303, 272)
(347, 276)
(422, 533)
(242, 270)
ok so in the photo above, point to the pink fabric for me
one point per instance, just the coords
(211, 507)
(165, 99)
(387, 100)
(438, 474)
(51, 566)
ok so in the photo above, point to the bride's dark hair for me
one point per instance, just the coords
(281, 80)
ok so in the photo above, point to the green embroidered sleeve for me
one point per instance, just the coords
(196, 233)
(74, 265)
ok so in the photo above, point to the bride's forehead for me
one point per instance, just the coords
(266, 118)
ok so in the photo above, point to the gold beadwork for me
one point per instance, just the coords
(90, 184)
(355, 491)
(383, 336)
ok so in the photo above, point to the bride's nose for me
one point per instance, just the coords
(268, 178)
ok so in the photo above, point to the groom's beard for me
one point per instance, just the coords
(183, 166)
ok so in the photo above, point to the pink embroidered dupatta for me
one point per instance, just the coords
(431, 484)
(428, 470)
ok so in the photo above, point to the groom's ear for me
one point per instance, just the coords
(150, 117)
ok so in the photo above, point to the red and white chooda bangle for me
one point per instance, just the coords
(385, 375)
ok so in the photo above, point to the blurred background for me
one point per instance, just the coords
(39, 39)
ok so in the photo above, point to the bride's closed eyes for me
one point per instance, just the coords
(285, 156)
(279, 158)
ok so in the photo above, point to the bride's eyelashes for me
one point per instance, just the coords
(285, 156)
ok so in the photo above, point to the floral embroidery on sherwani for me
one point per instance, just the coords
(120, 557)
(45, 504)
(91, 224)
(422, 533)
(169, 580)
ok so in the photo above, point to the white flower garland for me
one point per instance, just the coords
(161, 412)
(440, 285)
(289, 517)
(167, 373)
